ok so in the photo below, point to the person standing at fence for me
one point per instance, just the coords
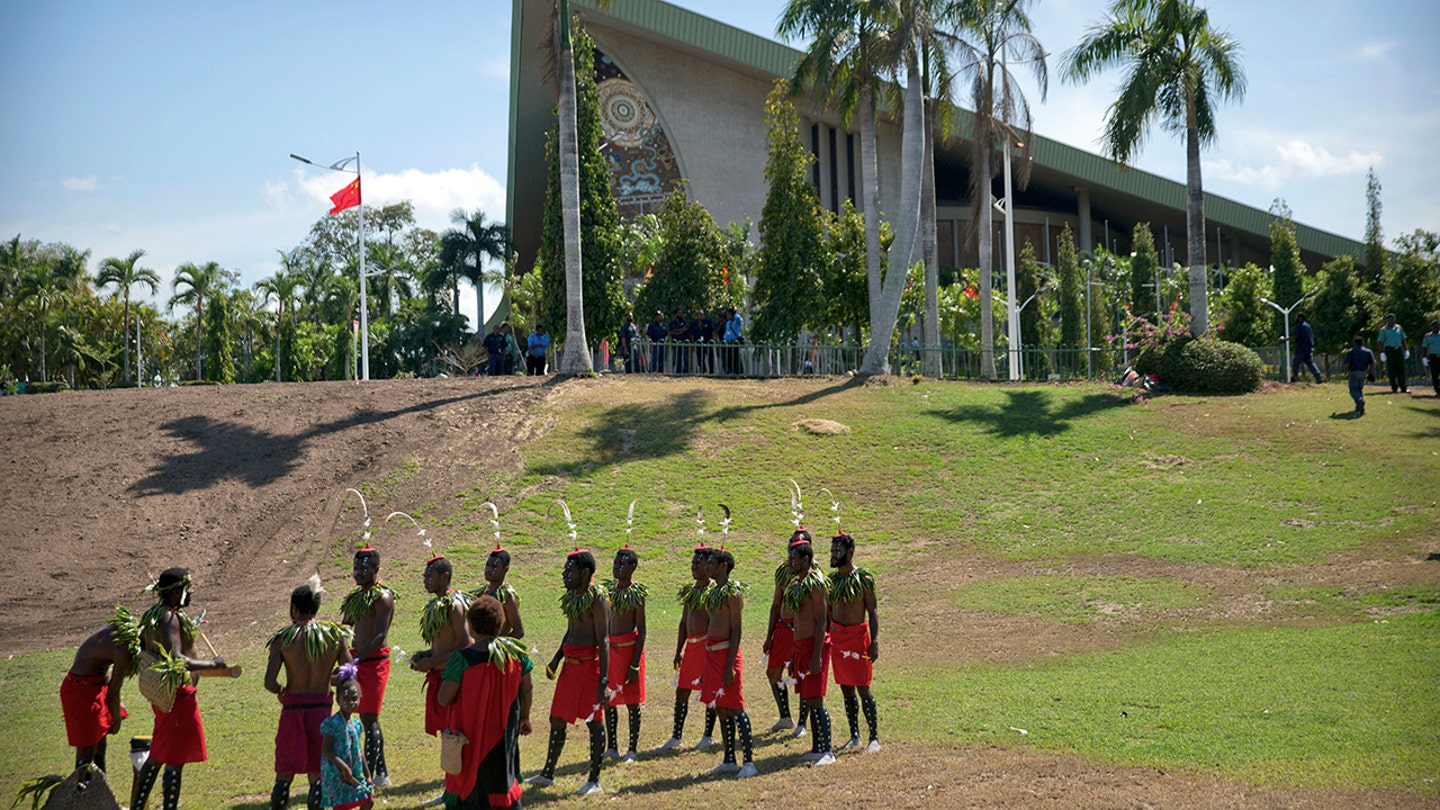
(628, 335)
(1430, 354)
(1302, 345)
(732, 338)
(680, 337)
(538, 345)
(1394, 352)
(495, 351)
(1358, 362)
(702, 329)
(656, 333)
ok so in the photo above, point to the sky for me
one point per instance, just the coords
(167, 126)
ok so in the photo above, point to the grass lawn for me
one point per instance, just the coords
(1236, 587)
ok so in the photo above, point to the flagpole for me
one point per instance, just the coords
(364, 299)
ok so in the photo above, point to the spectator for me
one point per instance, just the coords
(657, 331)
(495, 351)
(1303, 345)
(703, 331)
(732, 338)
(538, 345)
(680, 337)
(628, 335)
(1430, 354)
(1393, 353)
(512, 351)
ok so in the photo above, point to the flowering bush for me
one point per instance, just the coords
(1204, 364)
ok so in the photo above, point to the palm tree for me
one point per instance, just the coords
(200, 283)
(124, 274)
(1178, 65)
(37, 286)
(464, 249)
(988, 31)
(283, 287)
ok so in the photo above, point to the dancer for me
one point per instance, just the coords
(345, 779)
(487, 687)
(855, 636)
(497, 566)
(442, 626)
(585, 651)
(723, 687)
(90, 692)
(369, 609)
(627, 651)
(179, 735)
(308, 650)
(690, 648)
(805, 594)
(780, 643)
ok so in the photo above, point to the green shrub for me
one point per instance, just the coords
(46, 387)
(1218, 367)
(199, 382)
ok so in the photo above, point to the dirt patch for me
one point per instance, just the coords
(821, 427)
(1164, 462)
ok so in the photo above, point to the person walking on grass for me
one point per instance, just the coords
(1430, 354)
(1394, 351)
(1302, 346)
(1358, 362)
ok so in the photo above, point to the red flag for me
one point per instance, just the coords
(347, 197)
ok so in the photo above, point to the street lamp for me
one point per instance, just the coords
(1018, 357)
(340, 166)
(1089, 344)
(1286, 312)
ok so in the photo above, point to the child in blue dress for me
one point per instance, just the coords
(344, 782)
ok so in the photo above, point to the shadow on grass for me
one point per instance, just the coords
(1346, 415)
(659, 429)
(1033, 413)
(1430, 433)
(230, 451)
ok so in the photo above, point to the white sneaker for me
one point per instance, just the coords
(383, 780)
(783, 724)
(610, 753)
(827, 759)
(853, 742)
(705, 742)
(800, 731)
(726, 767)
(590, 787)
(629, 757)
(670, 744)
(748, 769)
(540, 780)
(437, 800)
(809, 756)
(873, 747)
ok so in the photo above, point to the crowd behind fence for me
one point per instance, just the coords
(1034, 363)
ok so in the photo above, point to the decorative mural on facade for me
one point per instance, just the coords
(643, 170)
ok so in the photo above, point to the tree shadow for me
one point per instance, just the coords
(227, 451)
(1033, 413)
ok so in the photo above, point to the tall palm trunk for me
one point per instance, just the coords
(912, 144)
(1195, 231)
(986, 229)
(931, 329)
(576, 357)
(125, 326)
(199, 336)
(870, 183)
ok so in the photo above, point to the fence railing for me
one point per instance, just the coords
(1035, 363)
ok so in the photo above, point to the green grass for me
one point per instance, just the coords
(942, 474)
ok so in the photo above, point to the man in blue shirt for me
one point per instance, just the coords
(628, 335)
(537, 346)
(1394, 352)
(702, 331)
(1430, 351)
(657, 332)
(680, 336)
(732, 340)
(1303, 344)
(495, 350)
(1358, 362)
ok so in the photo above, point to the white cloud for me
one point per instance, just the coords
(1294, 159)
(434, 194)
(1372, 51)
(80, 183)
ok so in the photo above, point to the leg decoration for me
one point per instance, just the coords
(170, 789)
(682, 708)
(552, 757)
(820, 717)
(710, 723)
(144, 783)
(804, 718)
(280, 795)
(375, 753)
(612, 720)
(782, 700)
(868, 701)
(312, 802)
(597, 748)
(742, 724)
(634, 726)
(852, 715)
(99, 754)
(727, 730)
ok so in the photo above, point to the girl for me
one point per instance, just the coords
(344, 780)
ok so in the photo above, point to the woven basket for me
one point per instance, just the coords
(152, 684)
(74, 794)
(452, 752)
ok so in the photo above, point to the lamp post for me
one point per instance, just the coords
(1018, 357)
(1089, 347)
(1286, 312)
(340, 166)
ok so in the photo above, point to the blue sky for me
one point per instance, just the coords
(167, 125)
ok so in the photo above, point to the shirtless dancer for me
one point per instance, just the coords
(855, 633)
(179, 735)
(309, 650)
(585, 651)
(690, 648)
(723, 686)
(806, 596)
(780, 643)
(442, 626)
(627, 651)
(497, 566)
(369, 609)
(90, 693)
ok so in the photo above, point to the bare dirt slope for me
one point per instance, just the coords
(101, 490)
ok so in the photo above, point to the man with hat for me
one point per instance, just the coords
(656, 333)
(1394, 353)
